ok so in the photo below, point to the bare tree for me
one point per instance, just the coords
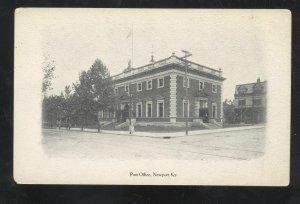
(48, 71)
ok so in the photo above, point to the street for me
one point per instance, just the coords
(237, 145)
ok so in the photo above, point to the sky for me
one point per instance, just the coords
(231, 40)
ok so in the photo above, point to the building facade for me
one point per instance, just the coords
(156, 92)
(250, 102)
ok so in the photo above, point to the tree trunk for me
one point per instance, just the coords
(69, 125)
(99, 126)
(82, 125)
(51, 123)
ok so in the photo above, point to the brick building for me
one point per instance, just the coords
(157, 93)
(250, 102)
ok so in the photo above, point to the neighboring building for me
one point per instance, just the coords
(250, 102)
(157, 92)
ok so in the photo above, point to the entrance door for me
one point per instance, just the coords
(203, 111)
(125, 112)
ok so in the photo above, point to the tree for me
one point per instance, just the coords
(102, 87)
(68, 106)
(84, 98)
(48, 70)
(92, 92)
(52, 109)
(67, 92)
(229, 112)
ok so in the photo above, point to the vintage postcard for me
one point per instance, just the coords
(152, 96)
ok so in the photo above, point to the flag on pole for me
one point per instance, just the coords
(129, 34)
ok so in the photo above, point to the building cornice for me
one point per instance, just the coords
(167, 73)
(174, 61)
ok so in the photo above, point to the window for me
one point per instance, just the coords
(214, 88)
(257, 102)
(258, 88)
(139, 110)
(127, 88)
(160, 82)
(116, 91)
(214, 110)
(185, 108)
(242, 90)
(139, 86)
(149, 109)
(160, 109)
(242, 102)
(201, 85)
(186, 82)
(149, 85)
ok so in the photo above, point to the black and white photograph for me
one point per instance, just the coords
(152, 96)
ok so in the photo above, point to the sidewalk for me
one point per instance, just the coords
(172, 134)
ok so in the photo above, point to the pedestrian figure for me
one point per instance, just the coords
(131, 129)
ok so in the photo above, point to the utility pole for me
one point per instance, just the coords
(186, 55)
(130, 111)
(131, 127)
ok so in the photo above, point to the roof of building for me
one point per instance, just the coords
(250, 87)
(170, 60)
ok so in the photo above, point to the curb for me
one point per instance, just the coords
(168, 136)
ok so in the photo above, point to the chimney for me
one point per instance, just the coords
(152, 59)
(152, 55)
(258, 80)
